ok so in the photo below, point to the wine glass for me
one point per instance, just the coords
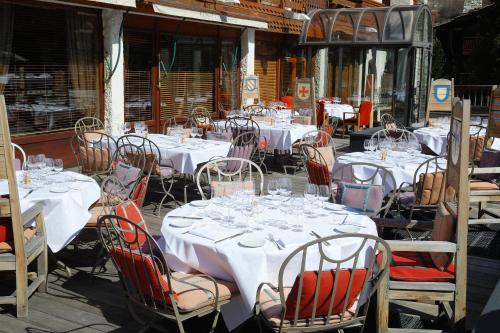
(272, 187)
(310, 193)
(324, 194)
(126, 127)
(194, 132)
(31, 162)
(285, 187)
(199, 133)
(58, 165)
(297, 224)
(49, 165)
(367, 143)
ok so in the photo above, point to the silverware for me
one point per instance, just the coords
(29, 192)
(271, 238)
(319, 237)
(186, 217)
(233, 236)
(343, 221)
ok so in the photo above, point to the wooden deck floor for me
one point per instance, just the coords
(85, 304)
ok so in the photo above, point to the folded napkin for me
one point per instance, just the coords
(213, 232)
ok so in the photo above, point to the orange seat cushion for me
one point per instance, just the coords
(481, 185)
(131, 234)
(327, 282)
(318, 173)
(430, 188)
(417, 267)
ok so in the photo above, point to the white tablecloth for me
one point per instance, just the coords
(281, 137)
(248, 267)
(337, 110)
(401, 164)
(436, 138)
(65, 214)
(187, 156)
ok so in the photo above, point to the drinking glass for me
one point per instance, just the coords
(285, 187)
(228, 202)
(40, 161)
(272, 187)
(367, 144)
(31, 162)
(194, 132)
(49, 165)
(310, 193)
(126, 127)
(58, 165)
(297, 224)
(324, 194)
(199, 133)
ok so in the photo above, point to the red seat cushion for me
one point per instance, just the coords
(139, 193)
(262, 144)
(130, 211)
(142, 272)
(327, 281)
(318, 173)
(417, 267)
(6, 234)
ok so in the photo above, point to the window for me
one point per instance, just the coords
(187, 74)
(229, 75)
(48, 66)
(138, 75)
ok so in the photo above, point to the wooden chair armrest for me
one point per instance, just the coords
(401, 223)
(422, 246)
(31, 213)
(478, 171)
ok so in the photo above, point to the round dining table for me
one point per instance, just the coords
(66, 198)
(401, 164)
(214, 237)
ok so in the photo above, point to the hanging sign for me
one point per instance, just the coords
(304, 97)
(441, 94)
(250, 93)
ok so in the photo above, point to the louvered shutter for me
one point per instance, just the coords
(53, 76)
(138, 75)
(267, 70)
(188, 79)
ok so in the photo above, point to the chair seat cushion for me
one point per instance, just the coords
(196, 292)
(8, 245)
(95, 212)
(407, 198)
(271, 309)
(166, 172)
(417, 267)
(365, 197)
(476, 185)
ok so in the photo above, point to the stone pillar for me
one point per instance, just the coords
(320, 72)
(114, 87)
(247, 55)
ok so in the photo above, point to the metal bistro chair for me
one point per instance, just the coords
(318, 163)
(88, 124)
(255, 110)
(477, 142)
(389, 123)
(229, 169)
(397, 135)
(150, 285)
(93, 152)
(328, 293)
(161, 169)
(239, 125)
(20, 164)
(377, 175)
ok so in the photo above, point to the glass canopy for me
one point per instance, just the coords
(396, 25)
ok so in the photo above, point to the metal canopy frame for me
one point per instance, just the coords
(402, 25)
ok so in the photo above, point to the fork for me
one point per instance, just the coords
(271, 238)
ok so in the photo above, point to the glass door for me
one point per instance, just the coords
(290, 70)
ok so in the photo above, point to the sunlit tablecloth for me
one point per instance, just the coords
(65, 214)
(248, 267)
(337, 110)
(188, 155)
(401, 164)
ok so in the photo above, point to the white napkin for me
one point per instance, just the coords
(213, 232)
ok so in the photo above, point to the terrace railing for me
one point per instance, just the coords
(479, 95)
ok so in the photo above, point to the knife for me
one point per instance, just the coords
(319, 237)
(233, 236)
(29, 192)
(186, 217)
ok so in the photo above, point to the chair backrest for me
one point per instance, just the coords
(239, 125)
(94, 152)
(389, 123)
(398, 135)
(22, 161)
(373, 175)
(279, 105)
(255, 110)
(317, 167)
(230, 169)
(88, 124)
(429, 182)
(130, 145)
(477, 142)
(143, 269)
(168, 124)
(365, 113)
(328, 285)
(10, 209)
(319, 138)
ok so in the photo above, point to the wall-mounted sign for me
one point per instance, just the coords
(250, 93)
(441, 94)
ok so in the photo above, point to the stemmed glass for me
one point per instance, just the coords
(324, 194)
(194, 132)
(367, 143)
(31, 162)
(310, 193)
(272, 187)
(58, 165)
(49, 166)
(228, 202)
(126, 127)
(199, 133)
(285, 187)
(298, 224)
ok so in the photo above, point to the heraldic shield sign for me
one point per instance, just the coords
(250, 89)
(442, 93)
(303, 90)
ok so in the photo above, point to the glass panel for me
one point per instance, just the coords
(290, 70)
(138, 75)
(343, 28)
(394, 27)
(352, 76)
(421, 86)
(400, 91)
(187, 75)
(428, 30)
(316, 31)
(49, 74)
(368, 28)
(384, 79)
(229, 76)
(420, 29)
(407, 16)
